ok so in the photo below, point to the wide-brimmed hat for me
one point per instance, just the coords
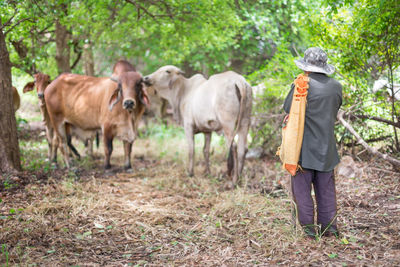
(315, 61)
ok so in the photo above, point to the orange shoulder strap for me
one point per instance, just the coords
(292, 133)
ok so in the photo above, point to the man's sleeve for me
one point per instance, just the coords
(288, 100)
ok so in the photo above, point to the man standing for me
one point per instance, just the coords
(318, 156)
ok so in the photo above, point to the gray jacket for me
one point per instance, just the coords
(324, 99)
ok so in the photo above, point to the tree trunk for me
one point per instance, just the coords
(62, 48)
(9, 149)
(88, 59)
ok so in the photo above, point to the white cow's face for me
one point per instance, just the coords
(163, 79)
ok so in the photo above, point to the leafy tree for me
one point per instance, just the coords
(363, 38)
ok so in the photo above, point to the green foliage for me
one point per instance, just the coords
(207, 35)
(363, 40)
(276, 76)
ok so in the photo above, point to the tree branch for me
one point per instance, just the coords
(16, 24)
(39, 7)
(361, 141)
(167, 10)
(78, 51)
(138, 6)
(372, 140)
(8, 22)
(78, 57)
(362, 116)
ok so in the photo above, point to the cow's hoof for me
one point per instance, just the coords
(190, 174)
(127, 167)
(109, 172)
(107, 167)
(129, 170)
(229, 185)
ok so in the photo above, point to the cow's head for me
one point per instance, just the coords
(130, 90)
(41, 82)
(164, 78)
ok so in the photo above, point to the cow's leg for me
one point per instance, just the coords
(206, 151)
(235, 164)
(108, 147)
(54, 144)
(62, 135)
(127, 150)
(49, 137)
(89, 147)
(232, 158)
(163, 110)
(242, 147)
(190, 141)
(69, 142)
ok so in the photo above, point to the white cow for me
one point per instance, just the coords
(221, 104)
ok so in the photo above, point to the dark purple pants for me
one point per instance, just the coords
(325, 194)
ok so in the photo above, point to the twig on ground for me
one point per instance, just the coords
(382, 170)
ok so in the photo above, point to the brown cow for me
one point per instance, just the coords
(16, 99)
(41, 81)
(92, 103)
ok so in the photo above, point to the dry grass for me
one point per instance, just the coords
(157, 216)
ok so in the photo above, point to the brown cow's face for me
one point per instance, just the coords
(41, 82)
(130, 90)
(164, 78)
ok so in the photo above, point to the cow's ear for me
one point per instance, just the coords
(144, 97)
(114, 79)
(115, 97)
(29, 87)
(175, 81)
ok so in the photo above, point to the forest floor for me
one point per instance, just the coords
(156, 215)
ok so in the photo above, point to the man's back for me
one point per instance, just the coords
(323, 102)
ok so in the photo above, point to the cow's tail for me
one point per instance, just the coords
(241, 93)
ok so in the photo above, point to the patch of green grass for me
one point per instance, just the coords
(170, 142)
(4, 253)
(34, 155)
(161, 131)
(7, 184)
